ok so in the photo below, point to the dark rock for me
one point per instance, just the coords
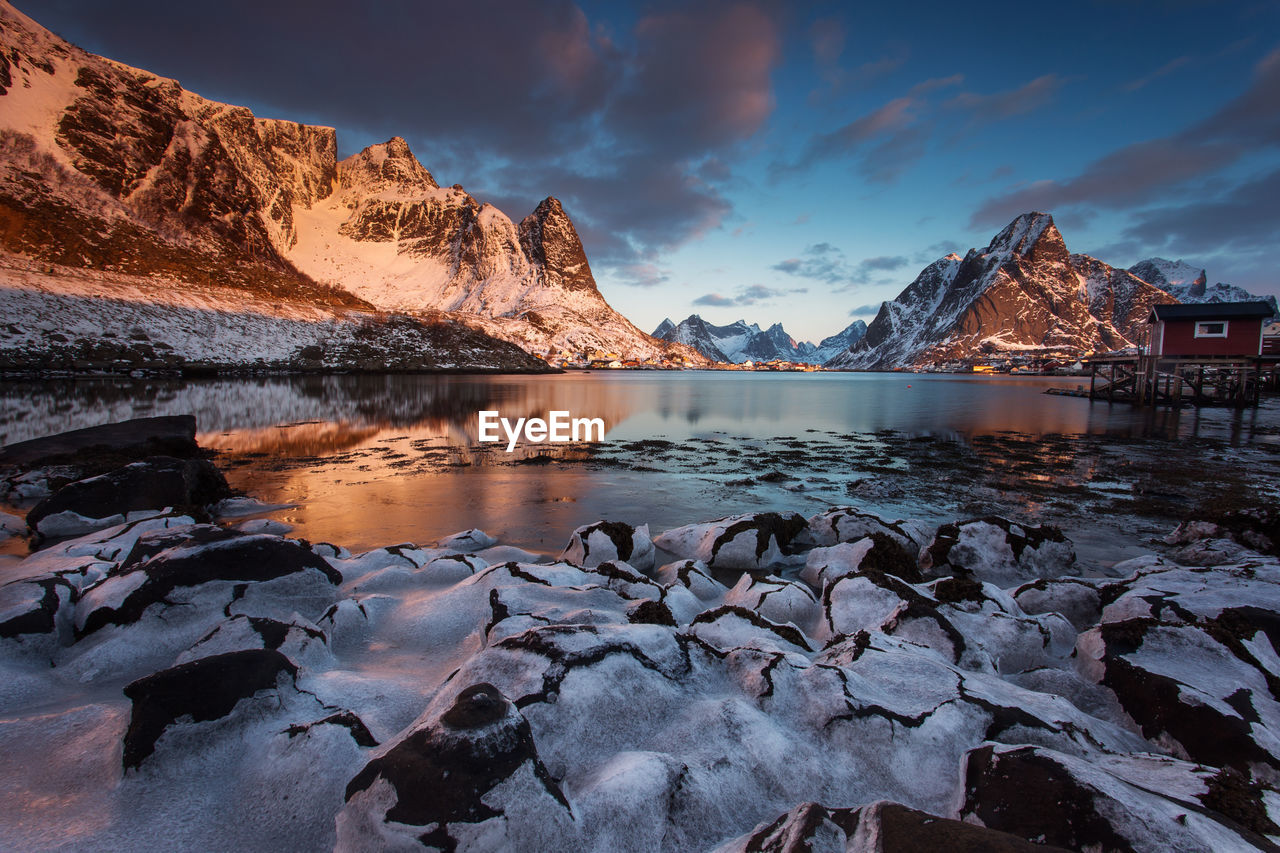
(205, 689)
(154, 484)
(359, 731)
(478, 705)
(123, 442)
(1053, 798)
(31, 606)
(882, 826)
(442, 772)
(648, 612)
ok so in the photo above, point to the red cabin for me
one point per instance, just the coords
(1208, 329)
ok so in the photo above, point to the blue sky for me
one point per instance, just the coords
(778, 163)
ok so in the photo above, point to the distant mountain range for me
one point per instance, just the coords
(1023, 294)
(741, 342)
(120, 188)
(1187, 284)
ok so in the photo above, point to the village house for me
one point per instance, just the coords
(1208, 329)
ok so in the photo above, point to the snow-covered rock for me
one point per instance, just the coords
(604, 541)
(1141, 803)
(997, 550)
(749, 541)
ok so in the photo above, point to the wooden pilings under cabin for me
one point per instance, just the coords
(1150, 380)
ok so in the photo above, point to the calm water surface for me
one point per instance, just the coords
(374, 460)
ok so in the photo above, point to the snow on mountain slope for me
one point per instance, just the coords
(111, 168)
(63, 318)
(737, 342)
(831, 346)
(1187, 284)
(1023, 293)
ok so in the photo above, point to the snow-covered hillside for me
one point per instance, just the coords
(63, 318)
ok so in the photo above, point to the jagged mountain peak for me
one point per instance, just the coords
(1024, 294)
(551, 242)
(1029, 234)
(737, 342)
(387, 165)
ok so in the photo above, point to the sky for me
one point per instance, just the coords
(775, 162)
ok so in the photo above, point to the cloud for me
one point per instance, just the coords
(1001, 105)
(715, 300)
(886, 141)
(865, 310)
(828, 264)
(1241, 219)
(1145, 172)
(641, 274)
(884, 262)
(1166, 69)
(749, 295)
(820, 262)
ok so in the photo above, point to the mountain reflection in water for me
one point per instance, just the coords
(374, 460)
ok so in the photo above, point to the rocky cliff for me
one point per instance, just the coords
(1023, 294)
(109, 168)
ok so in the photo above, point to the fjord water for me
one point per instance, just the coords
(377, 460)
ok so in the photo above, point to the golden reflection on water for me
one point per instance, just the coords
(374, 460)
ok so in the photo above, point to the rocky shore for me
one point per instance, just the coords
(173, 676)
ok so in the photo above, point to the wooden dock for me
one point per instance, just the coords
(1150, 380)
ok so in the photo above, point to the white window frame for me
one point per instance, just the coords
(1202, 323)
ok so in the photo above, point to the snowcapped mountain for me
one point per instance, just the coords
(829, 347)
(109, 168)
(737, 342)
(1187, 284)
(1022, 294)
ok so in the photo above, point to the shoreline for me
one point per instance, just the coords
(465, 690)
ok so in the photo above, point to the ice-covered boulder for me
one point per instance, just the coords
(694, 576)
(468, 775)
(11, 525)
(1142, 803)
(849, 524)
(605, 541)
(997, 550)
(231, 558)
(154, 484)
(33, 606)
(874, 552)
(971, 625)
(201, 690)
(777, 600)
(881, 827)
(298, 639)
(468, 541)
(1257, 528)
(1077, 599)
(751, 541)
(1193, 656)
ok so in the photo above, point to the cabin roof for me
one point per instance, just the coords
(1211, 311)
